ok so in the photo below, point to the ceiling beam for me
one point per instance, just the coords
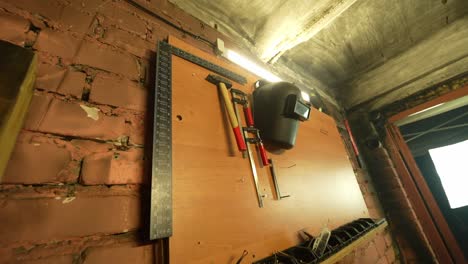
(438, 58)
(295, 22)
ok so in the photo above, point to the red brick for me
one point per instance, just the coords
(159, 30)
(404, 220)
(148, 18)
(57, 13)
(370, 188)
(382, 260)
(390, 255)
(114, 168)
(363, 187)
(37, 109)
(371, 201)
(39, 159)
(88, 147)
(49, 219)
(74, 20)
(129, 42)
(31, 37)
(49, 76)
(37, 21)
(370, 254)
(138, 128)
(115, 91)
(147, 70)
(52, 10)
(178, 16)
(123, 18)
(70, 119)
(361, 176)
(105, 57)
(73, 84)
(60, 80)
(89, 6)
(380, 244)
(14, 28)
(376, 213)
(66, 259)
(121, 254)
(380, 159)
(56, 251)
(388, 179)
(388, 240)
(46, 58)
(58, 43)
(6, 255)
(348, 259)
(358, 254)
(163, 32)
(396, 199)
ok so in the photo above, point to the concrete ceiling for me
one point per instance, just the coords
(332, 42)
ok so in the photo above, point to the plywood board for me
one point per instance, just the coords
(216, 214)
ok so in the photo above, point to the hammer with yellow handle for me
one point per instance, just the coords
(223, 86)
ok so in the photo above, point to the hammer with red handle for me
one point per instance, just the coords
(223, 86)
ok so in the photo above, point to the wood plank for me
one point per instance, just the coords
(216, 214)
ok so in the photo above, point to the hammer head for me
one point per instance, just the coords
(215, 79)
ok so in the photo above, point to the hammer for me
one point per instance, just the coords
(223, 86)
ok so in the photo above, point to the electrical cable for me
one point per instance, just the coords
(153, 14)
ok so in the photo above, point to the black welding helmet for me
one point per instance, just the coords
(278, 108)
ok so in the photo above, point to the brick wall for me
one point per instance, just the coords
(375, 251)
(74, 190)
(380, 250)
(384, 193)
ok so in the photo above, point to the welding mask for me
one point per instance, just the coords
(278, 108)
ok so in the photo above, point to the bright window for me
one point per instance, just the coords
(451, 163)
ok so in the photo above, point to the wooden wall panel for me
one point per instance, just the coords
(216, 214)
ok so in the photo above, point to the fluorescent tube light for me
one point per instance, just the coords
(250, 66)
(427, 109)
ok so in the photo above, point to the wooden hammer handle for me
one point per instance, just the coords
(229, 107)
(232, 117)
